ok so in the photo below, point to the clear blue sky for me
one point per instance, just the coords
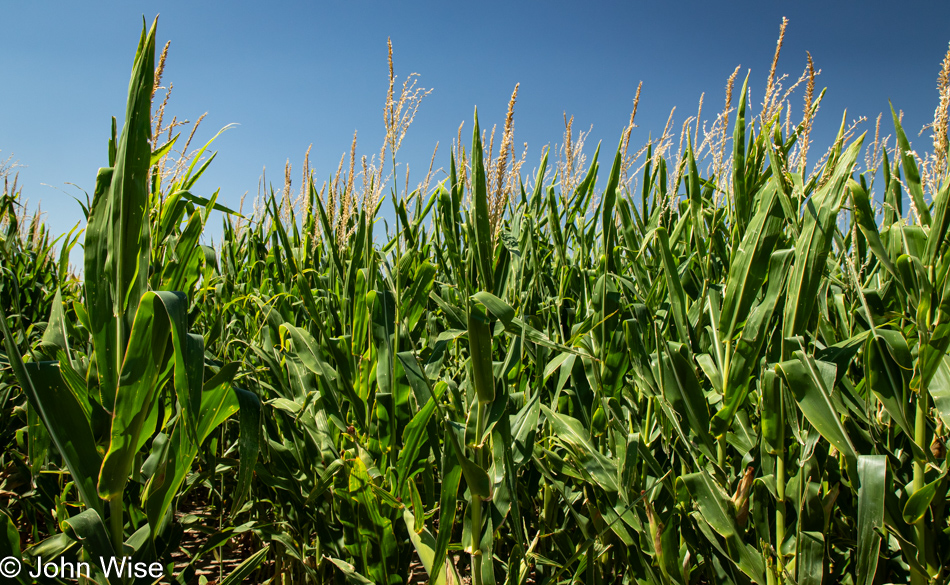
(292, 74)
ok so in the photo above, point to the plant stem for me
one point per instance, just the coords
(476, 538)
(477, 500)
(780, 487)
(116, 524)
(647, 423)
(920, 437)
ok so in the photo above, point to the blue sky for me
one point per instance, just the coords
(291, 74)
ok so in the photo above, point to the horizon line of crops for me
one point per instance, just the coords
(738, 375)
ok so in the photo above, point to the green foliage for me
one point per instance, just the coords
(726, 380)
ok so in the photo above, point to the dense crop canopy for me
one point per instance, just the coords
(719, 368)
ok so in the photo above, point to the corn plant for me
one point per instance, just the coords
(140, 378)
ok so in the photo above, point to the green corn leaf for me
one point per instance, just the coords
(55, 337)
(811, 251)
(182, 273)
(129, 190)
(53, 547)
(872, 474)
(311, 356)
(888, 369)
(919, 502)
(377, 540)
(941, 223)
(117, 236)
(60, 413)
(554, 222)
(681, 388)
(771, 411)
(480, 346)
(88, 529)
(327, 478)
(417, 296)
(608, 204)
(524, 425)
(864, 216)
(811, 557)
(62, 416)
(425, 546)
(10, 545)
(162, 150)
(675, 286)
(382, 327)
(742, 203)
(714, 507)
(810, 382)
(482, 221)
(506, 314)
(589, 460)
(249, 446)
(161, 316)
(204, 202)
(940, 390)
(911, 173)
(451, 477)
(99, 292)
(350, 572)
(748, 267)
(476, 477)
(413, 437)
(745, 358)
(913, 276)
(248, 566)
(932, 352)
(218, 402)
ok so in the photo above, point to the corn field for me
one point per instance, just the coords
(725, 366)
